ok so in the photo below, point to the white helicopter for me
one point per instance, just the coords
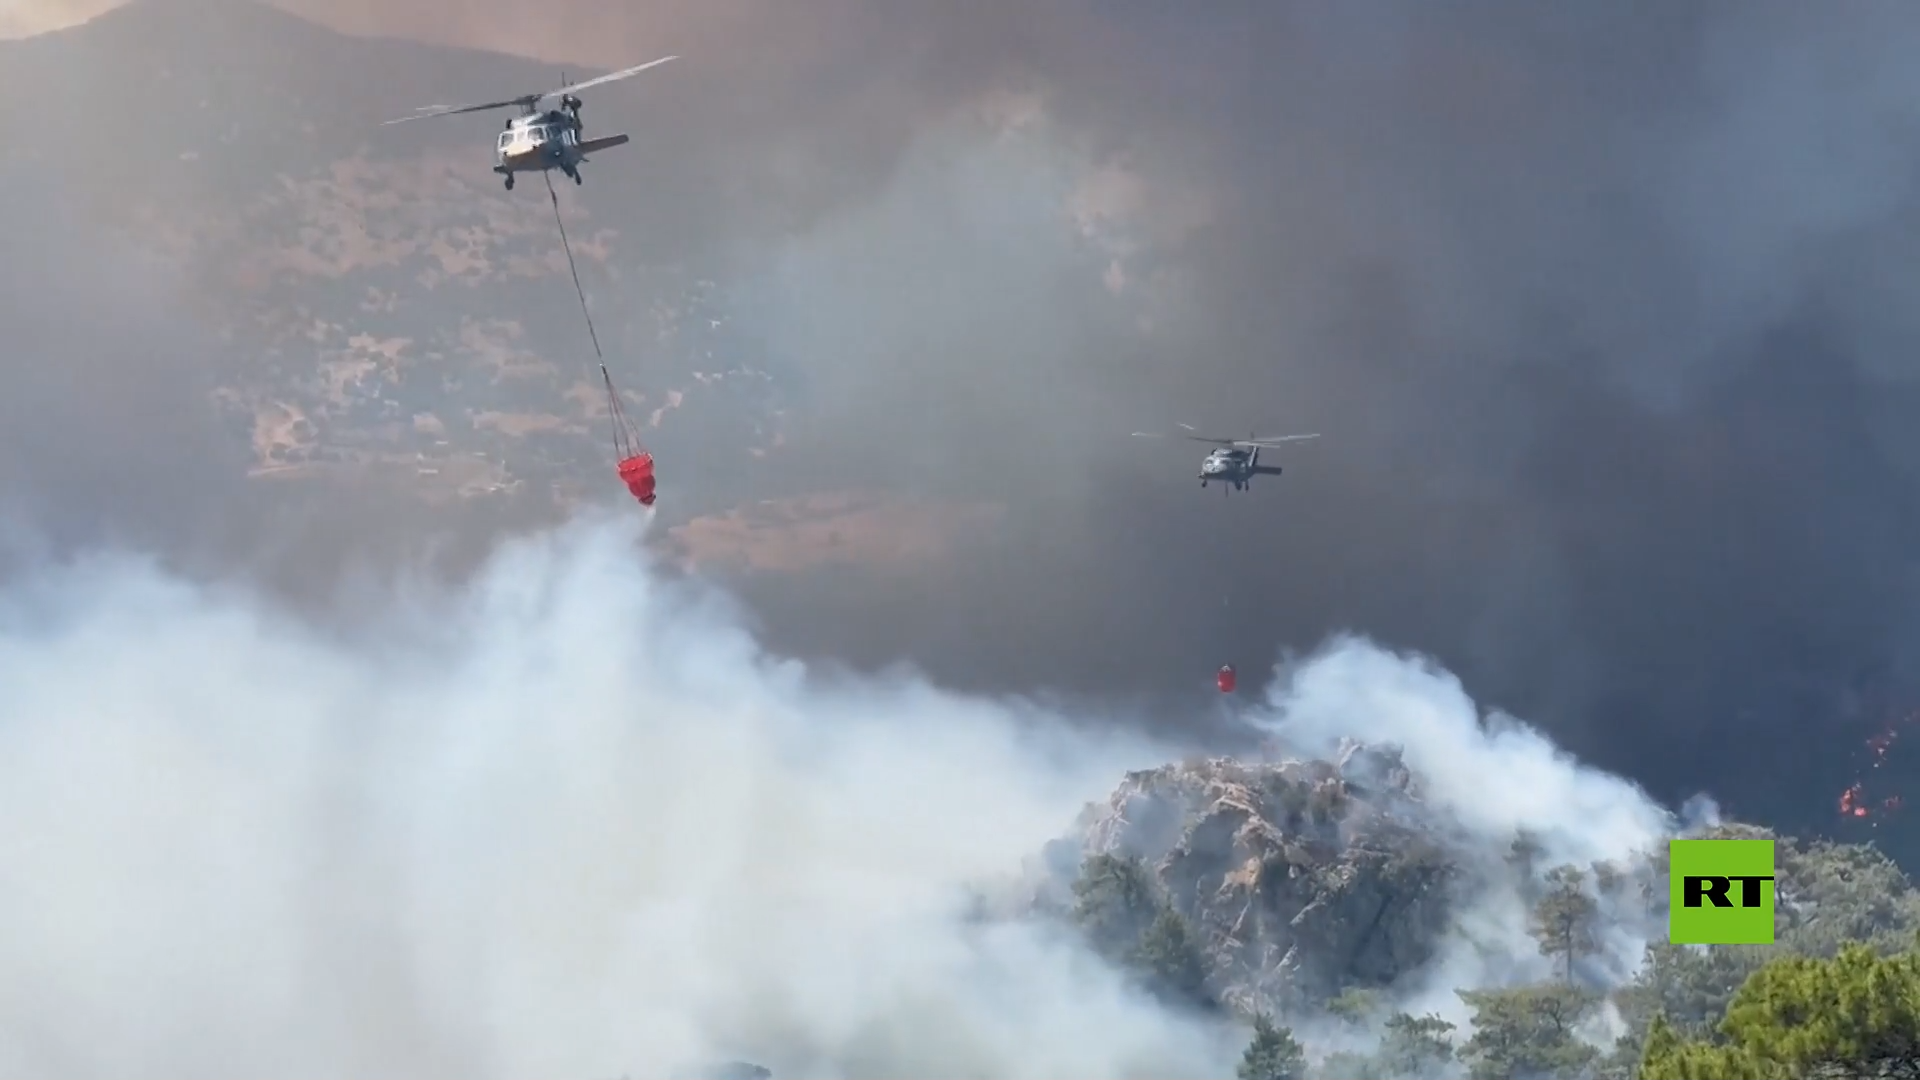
(542, 138)
(1236, 461)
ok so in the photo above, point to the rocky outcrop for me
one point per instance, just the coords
(1302, 878)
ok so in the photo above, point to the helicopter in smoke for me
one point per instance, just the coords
(541, 137)
(1235, 461)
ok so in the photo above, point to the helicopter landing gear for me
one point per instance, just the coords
(509, 181)
(1203, 483)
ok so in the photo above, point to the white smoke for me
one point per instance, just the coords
(1495, 779)
(573, 822)
(1488, 780)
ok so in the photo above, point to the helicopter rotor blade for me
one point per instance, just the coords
(429, 111)
(1269, 440)
(618, 75)
(1197, 437)
(528, 101)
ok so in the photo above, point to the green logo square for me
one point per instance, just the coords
(1720, 892)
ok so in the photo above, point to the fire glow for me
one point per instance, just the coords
(1854, 801)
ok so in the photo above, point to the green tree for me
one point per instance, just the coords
(1352, 1006)
(1689, 986)
(1170, 957)
(1119, 907)
(1669, 1057)
(1272, 1055)
(1415, 1046)
(1797, 1013)
(1528, 1032)
(1114, 901)
(1838, 893)
(1829, 895)
(1565, 916)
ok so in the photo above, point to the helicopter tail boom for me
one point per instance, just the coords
(604, 142)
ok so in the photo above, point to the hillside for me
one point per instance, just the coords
(1329, 894)
(387, 305)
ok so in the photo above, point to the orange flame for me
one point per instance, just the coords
(1851, 802)
(1854, 802)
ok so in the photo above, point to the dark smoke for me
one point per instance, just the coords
(1596, 307)
(1602, 309)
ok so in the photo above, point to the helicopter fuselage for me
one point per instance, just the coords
(540, 141)
(1235, 467)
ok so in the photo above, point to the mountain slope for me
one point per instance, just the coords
(1335, 892)
(389, 306)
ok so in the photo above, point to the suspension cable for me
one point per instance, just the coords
(571, 268)
(626, 444)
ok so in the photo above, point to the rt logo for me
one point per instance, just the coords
(1720, 892)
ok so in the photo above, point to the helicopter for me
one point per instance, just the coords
(1236, 461)
(539, 138)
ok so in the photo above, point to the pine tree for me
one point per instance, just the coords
(1564, 919)
(1857, 1012)
(1416, 1045)
(1528, 1031)
(1352, 1005)
(1170, 956)
(1272, 1055)
(1114, 902)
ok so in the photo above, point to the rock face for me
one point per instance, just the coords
(1302, 879)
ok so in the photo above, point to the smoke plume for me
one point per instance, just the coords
(1486, 782)
(1602, 309)
(572, 819)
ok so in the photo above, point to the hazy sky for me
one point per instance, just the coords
(1602, 310)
